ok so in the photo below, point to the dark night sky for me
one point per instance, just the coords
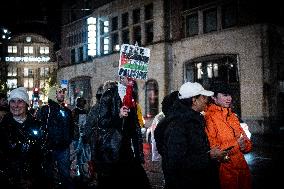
(43, 16)
(32, 16)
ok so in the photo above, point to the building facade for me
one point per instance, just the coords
(30, 60)
(204, 41)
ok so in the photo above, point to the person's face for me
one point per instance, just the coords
(123, 80)
(199, 103)
(18, 107)
(60, 94)
(223, 100)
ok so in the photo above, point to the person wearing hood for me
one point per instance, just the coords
(182, 141)
(58, 122)
(21, 139)
(118, 161)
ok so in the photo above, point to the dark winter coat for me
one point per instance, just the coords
(182, 142)
(118, 159)
(20, 150)
(58, 123)
(90, 126)
(129, 129)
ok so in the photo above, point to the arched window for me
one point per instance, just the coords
(213, 69)
(151, 98)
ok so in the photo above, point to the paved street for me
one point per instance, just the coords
(265, 162)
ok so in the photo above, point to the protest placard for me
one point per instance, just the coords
(134, 61)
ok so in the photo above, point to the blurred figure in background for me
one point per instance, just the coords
(167, 105)
(3, 105)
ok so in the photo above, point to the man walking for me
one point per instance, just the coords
(60, 128)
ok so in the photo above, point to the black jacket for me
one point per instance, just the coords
(130, 147)
(58, 124)
(21, 152)
(182, 142)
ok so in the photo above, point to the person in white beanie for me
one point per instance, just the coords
(21, 140)
(19, 102)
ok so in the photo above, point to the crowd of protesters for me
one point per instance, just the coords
(196, 135)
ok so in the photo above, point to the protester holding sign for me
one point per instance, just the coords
(119, 150)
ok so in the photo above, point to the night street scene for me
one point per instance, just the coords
(77, 73)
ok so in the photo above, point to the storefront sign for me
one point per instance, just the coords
(27, 59)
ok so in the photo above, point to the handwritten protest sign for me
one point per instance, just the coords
(134, 61)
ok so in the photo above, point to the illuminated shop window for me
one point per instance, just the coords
(28, 72)
(12, 71)
(12, 83)
(92, 35)
(28, 49)
(44, 72)
(12, 49)
(28, 83)
(44, 50)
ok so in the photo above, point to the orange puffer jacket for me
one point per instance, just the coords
(223, 130)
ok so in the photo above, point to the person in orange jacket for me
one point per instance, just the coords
(228, 141)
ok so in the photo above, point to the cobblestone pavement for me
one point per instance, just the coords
(265, 162)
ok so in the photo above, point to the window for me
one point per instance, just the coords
(214, 69)
(12, 71)
(44, 50)
(125, 36)
(105, 45)
(12, 49)
(28, 49)
(114, 23)
(12, 83)
(229, 15)
(210, 20)
(136, 16)
(191, 25)
(80, 54)
(114, 42)
(151, 100)
(28, 83)
(149, 32)
(42, 83)
(104, 26)
(28, 72)
(73, 56)
(149, 12)
(137, 35)
(104, 36)
(124, 20)
(44, 72)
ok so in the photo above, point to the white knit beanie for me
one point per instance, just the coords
(20, 93)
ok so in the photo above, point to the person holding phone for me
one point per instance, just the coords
(228, 141)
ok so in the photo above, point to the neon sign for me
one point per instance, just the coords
(27, 59)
